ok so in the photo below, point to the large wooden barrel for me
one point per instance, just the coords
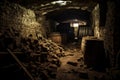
(94, 53)
(84, 41)
(56, 37)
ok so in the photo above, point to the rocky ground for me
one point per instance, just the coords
(73, 67)
(68, 66)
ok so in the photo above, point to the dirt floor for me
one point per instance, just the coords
(73, 67)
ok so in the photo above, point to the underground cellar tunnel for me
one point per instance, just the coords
(59, 40)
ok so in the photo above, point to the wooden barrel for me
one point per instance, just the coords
(64, 38)
(94, 54)
(84, 41)
(56, 37)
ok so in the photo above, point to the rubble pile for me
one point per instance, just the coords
(42, 57)
(20, 32)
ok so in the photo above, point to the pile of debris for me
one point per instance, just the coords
(42, 57)
(18, 33)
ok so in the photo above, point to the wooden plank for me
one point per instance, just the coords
(20, 63)
(12, 52)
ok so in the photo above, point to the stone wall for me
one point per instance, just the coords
(117, 28)
(106, 32)
(109, 31)
(45, 23)
(95, 17)
(19, 19)
(109, 27)
(98, 30)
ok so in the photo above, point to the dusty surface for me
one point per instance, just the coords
(72, 65)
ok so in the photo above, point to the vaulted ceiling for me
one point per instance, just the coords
(80, 3)
(67, 14)
(79, 9)
(26, 2)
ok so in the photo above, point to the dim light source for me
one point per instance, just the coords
(61, 2)
(75, 24)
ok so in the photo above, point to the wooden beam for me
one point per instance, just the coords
(20, 63)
